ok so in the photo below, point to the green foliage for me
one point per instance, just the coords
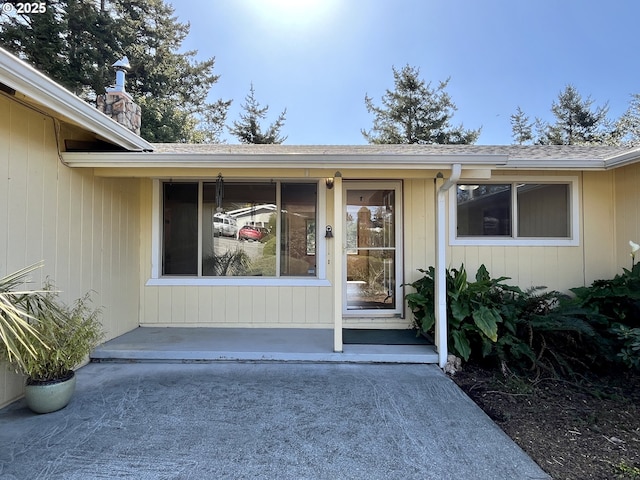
(614, 312)
(474, 309)
(630, 350)
(248, 129)
(60, 337)
(576, 123)
(521, 127)
(617, 299)
(415, 113)
(628, 125)
(490, 320)
(83, 40)
(230, 263)
(17, 335)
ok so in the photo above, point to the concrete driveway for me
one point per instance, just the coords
(260, 421)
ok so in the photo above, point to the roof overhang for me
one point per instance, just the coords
(41, 90)
(258, 161)
(627, 158)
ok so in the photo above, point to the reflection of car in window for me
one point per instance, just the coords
(249, 232)
(224, 225)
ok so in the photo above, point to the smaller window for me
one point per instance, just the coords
(484, 210)
(512, 211)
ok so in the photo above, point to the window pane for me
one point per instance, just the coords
(180, 227)
(370, 220)
(371, 280)
(484, 210)
(543, 210)
(238, 235)
(298, 229)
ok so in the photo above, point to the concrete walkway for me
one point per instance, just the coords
(241, 420)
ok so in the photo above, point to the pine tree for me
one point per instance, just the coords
(628, 126)
(576, 121)
(248, 129)
(415, 113)
(76, 41)
(521, 127)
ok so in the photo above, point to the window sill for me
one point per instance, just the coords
(237, 282)
(516, 242)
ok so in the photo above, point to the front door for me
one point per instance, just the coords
(373, 275)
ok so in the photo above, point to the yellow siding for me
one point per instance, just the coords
(556, 268)
(627, 213)
(226, 306)
(84, 228)
(281, 306)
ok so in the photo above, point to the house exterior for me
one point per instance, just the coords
(333, 232)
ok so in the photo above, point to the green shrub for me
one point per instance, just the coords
(629, 353)
(617, 299)
(613, 309)
(489, 320)
(474, 309)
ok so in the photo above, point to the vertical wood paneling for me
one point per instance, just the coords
(298, 303)
(18, 184)
(191, 306)
(235, 310)
(312, 306)
(258, 305)
(599, 225)
(65, 217)
(285, 303)
(627, 214)
(205, 303)
(5, 140)
(272, 305)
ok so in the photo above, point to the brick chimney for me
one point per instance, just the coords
(118, 104)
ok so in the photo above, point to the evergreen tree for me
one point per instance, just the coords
(248, 129)
(415, 113)
(521, 127)
(628, 126)
(576, 121)
(76, 41)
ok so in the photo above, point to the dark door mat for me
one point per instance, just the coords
(358, 336)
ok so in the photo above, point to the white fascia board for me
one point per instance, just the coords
(627, 158)
(25, 79)
(257, 161)
(553, 164)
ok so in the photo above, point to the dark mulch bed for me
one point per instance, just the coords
(573, 430)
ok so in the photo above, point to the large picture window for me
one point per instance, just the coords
(530, 212)
(239, 229)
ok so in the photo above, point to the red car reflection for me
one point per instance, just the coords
(251, 233)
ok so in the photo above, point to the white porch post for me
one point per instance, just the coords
(338, 247)
(441, 265)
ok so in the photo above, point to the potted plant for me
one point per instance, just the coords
(45, 339)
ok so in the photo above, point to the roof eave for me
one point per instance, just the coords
(286, 161)
(627, 158)
(25, 79)
(553, 164)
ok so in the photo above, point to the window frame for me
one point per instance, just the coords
(158, 279)
(513, 240)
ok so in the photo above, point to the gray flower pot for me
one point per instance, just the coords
(46, 397)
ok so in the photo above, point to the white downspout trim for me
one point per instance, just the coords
(441, 266)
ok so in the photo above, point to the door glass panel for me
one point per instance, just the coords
(370, 248)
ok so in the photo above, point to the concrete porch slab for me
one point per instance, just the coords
(174, 344)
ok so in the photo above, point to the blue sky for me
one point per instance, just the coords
(318, 58)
